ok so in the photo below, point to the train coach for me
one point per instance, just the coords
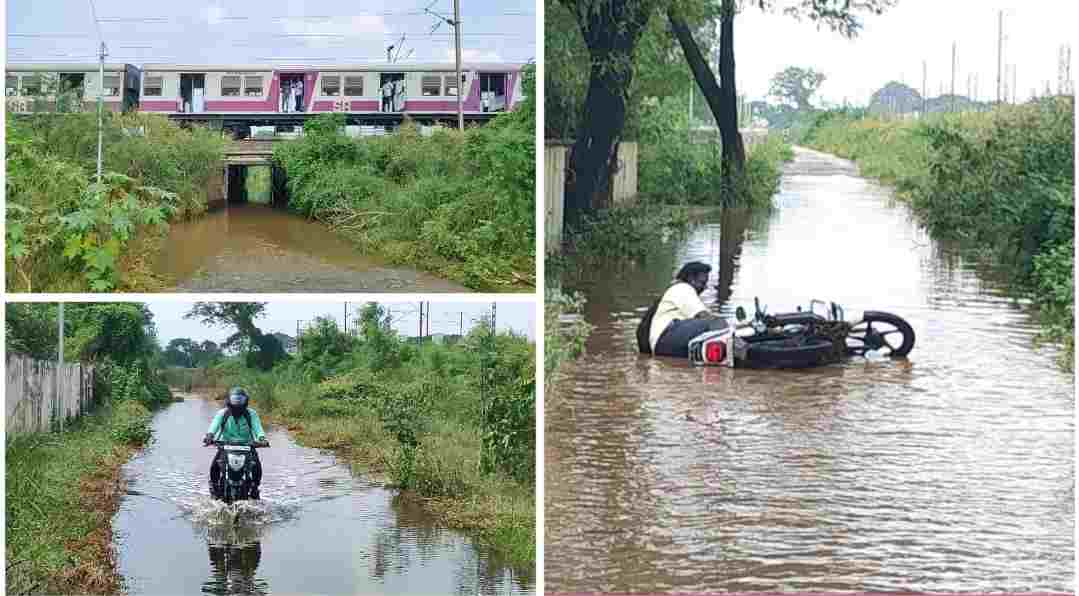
(25, 85)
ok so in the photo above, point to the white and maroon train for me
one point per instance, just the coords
(194, 91)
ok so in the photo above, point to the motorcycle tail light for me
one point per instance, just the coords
(715, 352)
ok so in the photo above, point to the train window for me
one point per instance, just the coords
(253, 86)
(451, 85)
(11, 84)
(152, 86)
(31, 85)
(431, 86)
(354, 86)
(331, 86)
(230, 86)
(112, 85)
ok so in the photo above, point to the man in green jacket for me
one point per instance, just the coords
(236, 423)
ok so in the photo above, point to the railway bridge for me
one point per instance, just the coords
(244, 154)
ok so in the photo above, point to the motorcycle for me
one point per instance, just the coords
(823, 334)
(236, 466)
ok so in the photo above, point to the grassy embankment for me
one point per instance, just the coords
(415, 415)
(63, 235)
(1000, 182)
(62, 492)
(460, 204)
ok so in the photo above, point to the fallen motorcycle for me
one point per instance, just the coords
(803, 338)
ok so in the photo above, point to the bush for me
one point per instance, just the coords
(131, 423)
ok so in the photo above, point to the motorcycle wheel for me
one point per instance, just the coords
(876, 338)
(782, 354)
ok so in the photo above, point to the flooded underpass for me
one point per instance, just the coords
(318, 528)
(248, 247)
(949, 470)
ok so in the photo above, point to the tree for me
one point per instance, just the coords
(261, 351)
(795, 86)
(611, 30)
(179, 352)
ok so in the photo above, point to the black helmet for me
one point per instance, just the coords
(237, 398)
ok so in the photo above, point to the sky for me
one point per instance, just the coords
(283, 316)
(893, 45)
(267, 31)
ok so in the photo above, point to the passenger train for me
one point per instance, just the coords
(265, 94)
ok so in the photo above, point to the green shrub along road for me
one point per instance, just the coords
(1003, 182)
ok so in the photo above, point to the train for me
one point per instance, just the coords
(244, 95)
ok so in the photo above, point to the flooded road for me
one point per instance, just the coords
(950, 470)
(256, 248)
(317, 530)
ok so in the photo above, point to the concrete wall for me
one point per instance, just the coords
(38, 392)
(623, 186)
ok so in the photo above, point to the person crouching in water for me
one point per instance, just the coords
(236, 423)
(679, 315)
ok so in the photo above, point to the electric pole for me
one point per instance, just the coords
(925, 100)
(421, 319)
(953, 76)
(100, 106)
(457, 36)
(60, 359)
(428, 318)
(1000, 52)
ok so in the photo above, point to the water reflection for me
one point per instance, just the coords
(233, 570)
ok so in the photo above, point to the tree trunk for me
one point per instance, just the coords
(722, 97)
(734, 152)
(611, 33)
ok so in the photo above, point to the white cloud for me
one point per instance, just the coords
(364, 33)
(214, 14)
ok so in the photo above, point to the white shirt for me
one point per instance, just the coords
(680, 301)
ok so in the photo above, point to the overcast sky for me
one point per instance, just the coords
(282, 317)
(893, 45)
(267, 31)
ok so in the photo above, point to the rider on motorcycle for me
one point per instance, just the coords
(236, 423)
(679, 315)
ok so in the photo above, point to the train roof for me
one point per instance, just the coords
(65, 67)
(369, 67)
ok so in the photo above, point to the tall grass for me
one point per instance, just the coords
(64, 233)
(1001, 181)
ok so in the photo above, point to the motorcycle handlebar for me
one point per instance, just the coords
(257, 444)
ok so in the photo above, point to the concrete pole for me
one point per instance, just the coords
(60, 359)
(1000, 52)
(100, 106)
(457, 36)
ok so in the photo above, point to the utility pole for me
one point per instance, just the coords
(1014, 68)
(953, 76)
(457, 36)
(1000, 52)
(461, 325)
(344, 318)
(428, 318)
(299, 345)
(421, 319)
(925, 100)
(100, 106)
(60, 359)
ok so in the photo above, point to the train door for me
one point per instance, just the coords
(193, 93)
(292, 93)
(493, 91)
(392, 91)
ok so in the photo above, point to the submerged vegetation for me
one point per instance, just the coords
(63, 488)
(453, 425)
(458, 203)
(67, 233)
(1002, 182)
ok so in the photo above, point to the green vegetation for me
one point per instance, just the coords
(258, 184)
(458, 203)
(564, 332)
(67, 233)
(1002, 181)
(64, 487)
(453, 425)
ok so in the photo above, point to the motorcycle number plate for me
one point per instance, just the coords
(237, 448)
(236, 462)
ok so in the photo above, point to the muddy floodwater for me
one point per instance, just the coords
(257, 248)
(949, 470)
(318, 529)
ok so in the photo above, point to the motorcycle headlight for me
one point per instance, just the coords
(236, 462)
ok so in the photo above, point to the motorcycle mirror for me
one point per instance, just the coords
(740, 314)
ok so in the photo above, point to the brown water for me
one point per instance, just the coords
(950, 470)
(317, 530)
(256, 248)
